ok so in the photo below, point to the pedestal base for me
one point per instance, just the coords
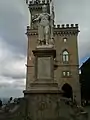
(43, 85)
(50, 105)
(44, 105)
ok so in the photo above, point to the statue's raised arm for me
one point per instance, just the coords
(36, 19)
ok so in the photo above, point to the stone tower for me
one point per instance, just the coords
(67, 66)
(66, 72)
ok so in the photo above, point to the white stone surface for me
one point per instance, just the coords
(45, 46)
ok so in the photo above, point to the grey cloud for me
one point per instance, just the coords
(13, 21)
(8, 92)
(14, 68)
(13, 41)
(15, 76)
(14, 90)
(12, 83)
(12, 64)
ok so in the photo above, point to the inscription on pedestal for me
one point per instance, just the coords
(44, 68)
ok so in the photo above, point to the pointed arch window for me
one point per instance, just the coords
(65, 56)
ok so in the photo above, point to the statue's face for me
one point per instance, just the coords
(44, 8)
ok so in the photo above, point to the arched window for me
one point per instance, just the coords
(65, 56)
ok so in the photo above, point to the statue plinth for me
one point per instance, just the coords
(44, 63)
(45, 46)
(43, 93)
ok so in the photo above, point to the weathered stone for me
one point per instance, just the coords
(44, 68)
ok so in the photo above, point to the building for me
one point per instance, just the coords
(66, 71)
(85, 80)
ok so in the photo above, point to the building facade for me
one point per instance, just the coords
(85, 80)
(66, 69)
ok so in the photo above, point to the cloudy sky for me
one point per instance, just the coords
(14, 17)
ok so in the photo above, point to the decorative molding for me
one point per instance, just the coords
(66, 26)
(35, 2)
(63, 30)
(37, 5)
(67, 65)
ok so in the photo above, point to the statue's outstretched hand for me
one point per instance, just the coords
(36, 19)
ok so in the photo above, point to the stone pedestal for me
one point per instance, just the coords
(43, 105)
(43, 94)
(44, 60)
(44, 69)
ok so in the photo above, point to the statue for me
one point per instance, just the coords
(43, 26)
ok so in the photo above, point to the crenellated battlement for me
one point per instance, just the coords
(63, 26)
(37, 4)
(31, 2)
(66, 26)
(64, 29)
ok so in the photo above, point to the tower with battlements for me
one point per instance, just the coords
(66, 66)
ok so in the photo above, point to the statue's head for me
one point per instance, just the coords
(44, 8)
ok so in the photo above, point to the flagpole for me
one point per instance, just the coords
(52, 20)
